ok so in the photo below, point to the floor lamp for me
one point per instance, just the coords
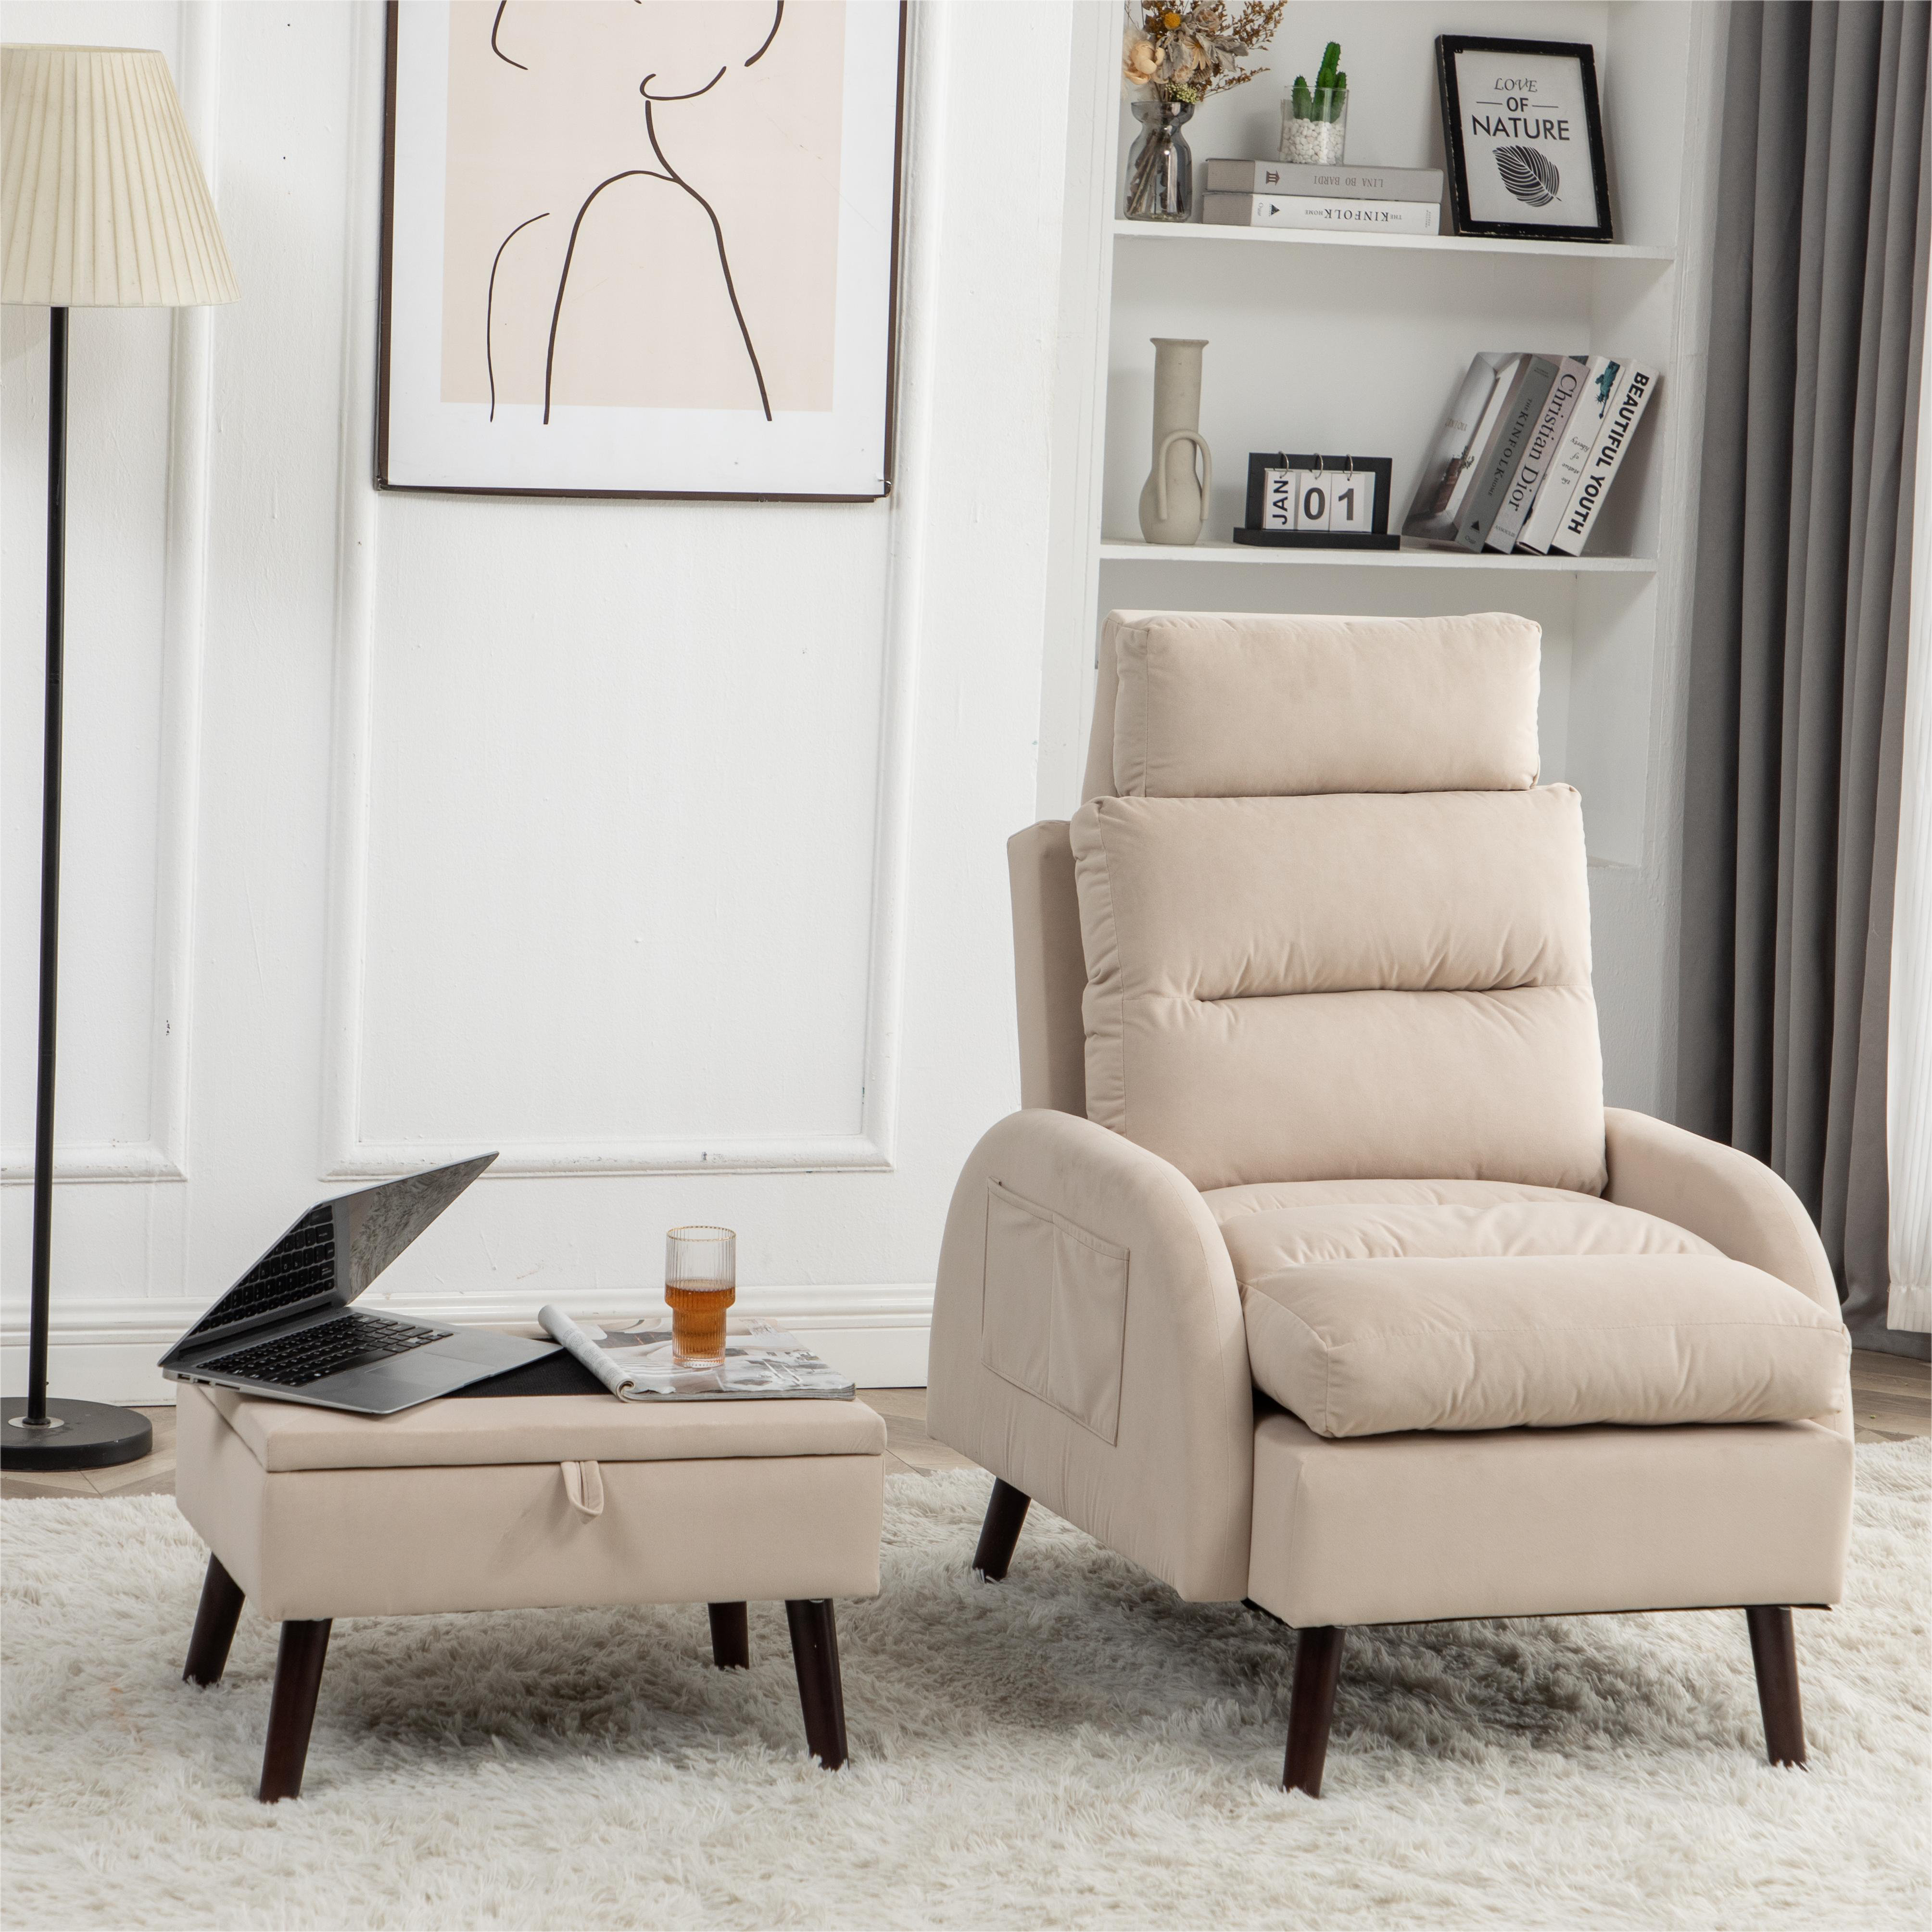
(102, 205)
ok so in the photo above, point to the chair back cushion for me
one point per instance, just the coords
(1319, 988)
(1196, 705)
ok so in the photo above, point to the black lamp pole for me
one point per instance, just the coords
(50, 842)
(35, 1434)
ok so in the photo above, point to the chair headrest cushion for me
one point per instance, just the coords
(1202, 705)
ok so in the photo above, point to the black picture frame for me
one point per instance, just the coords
(1376, 537)
(381, 480)
(1447, 47)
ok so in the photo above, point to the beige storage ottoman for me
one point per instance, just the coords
(526, 1502)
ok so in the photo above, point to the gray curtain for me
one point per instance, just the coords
(1798, 646)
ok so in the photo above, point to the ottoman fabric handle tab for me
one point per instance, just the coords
(583, 1484)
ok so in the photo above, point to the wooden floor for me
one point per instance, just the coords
(1891, 1400)
(1891, 1397)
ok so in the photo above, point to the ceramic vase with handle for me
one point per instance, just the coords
(1174, 503)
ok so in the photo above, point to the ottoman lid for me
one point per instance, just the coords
(460, 1430)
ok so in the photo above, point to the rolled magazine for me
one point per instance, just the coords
(762, 1363)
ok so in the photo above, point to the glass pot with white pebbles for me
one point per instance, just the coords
(1315, 120)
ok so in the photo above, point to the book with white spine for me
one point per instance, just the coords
(1535, 375)
(1635, 388)
(1539, 454)
(1580, 435)
(1332, 181)
(1331, 215)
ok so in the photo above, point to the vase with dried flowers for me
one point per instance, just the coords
(1176, 56)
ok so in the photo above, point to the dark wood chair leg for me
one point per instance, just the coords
(1774, 1655)
(1005, 1511)
(730, 1636)
(1317, 1663)
(814, 1650)
(215, 1624)
(292, 1708)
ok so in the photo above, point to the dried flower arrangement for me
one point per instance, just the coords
(1186, 53)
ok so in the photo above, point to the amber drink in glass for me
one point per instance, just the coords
(700, 1284)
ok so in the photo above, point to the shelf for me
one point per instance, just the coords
(1439, 244)
(1131, 550)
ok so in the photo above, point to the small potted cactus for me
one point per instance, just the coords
(1315, 120)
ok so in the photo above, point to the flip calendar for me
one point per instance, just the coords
(1337, 502)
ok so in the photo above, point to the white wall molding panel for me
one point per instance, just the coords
(185, 403)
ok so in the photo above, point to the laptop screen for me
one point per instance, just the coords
(339, 1247)
(380, 1223)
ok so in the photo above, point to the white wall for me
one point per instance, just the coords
(659, 845)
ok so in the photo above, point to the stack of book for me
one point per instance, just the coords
(1528, 451)
(1338, 199)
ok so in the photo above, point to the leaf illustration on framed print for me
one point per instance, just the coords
(640, 247)
(1528, 174)
(1522, 131)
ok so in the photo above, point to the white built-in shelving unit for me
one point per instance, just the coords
(1354, 344)
(1137, 550)
(1191, 233)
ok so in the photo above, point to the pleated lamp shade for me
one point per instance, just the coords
(102, 204)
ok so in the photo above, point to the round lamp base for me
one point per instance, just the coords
(76, 1436)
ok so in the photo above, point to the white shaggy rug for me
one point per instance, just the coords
(1072, 1748)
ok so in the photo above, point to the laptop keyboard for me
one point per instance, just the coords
(352, 1340)
(300, 1266)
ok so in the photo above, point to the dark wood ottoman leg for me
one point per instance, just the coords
(1774, 1656)
(292, 1708)
(1311, 1708)
(814, 1650)
(1006, 1512)
(215, 1624)
(730, 1636)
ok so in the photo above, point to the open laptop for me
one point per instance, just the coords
(285, 1328)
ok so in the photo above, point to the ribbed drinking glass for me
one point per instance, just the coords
(700, 1284)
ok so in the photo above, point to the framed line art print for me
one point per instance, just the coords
(1522, 132)
(640, 247)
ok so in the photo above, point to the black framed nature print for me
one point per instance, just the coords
(640, 247)
(1522, 132)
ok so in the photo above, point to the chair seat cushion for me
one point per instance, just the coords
(1281, 1224)
(1366, 1347)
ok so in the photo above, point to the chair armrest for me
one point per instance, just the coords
(1126, 1407)
(1736, 1203)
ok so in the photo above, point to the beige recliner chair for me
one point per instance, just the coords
(1314, 1271)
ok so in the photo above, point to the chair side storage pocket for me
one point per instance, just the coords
(1054, 1318)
